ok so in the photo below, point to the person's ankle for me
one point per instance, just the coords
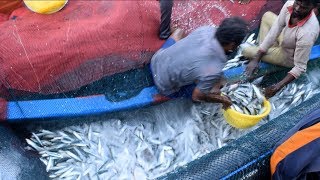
(178, 34)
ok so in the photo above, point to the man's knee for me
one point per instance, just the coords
(250, 52)
(268, 16)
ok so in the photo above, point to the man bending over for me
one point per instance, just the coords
(194, 63)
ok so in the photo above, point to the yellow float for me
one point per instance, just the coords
(45, 6)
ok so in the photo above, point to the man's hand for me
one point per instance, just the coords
(251, 68)
(254, 64)
(271, 91)
(226, 102)
(197, 96)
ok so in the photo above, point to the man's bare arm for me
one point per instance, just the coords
(198, 96)
(272, 90)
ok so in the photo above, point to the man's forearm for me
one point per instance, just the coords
(197, 96)
(259, 56)
(289, 78)
(211, 97)
(216, 98)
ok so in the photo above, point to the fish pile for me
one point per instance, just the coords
(295, 93)
(63, 151)
(145, 145)
(239, 59)
(150, 142)
(246, 98)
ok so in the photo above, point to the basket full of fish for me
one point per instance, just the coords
(248, 107)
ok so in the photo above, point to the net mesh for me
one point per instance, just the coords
(61, 55)
(247, 157)
(46, 61)
(15, 162)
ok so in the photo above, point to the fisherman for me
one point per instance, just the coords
(166, 11)
(285, 40)
(194, 64)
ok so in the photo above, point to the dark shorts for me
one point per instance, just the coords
(185, 91)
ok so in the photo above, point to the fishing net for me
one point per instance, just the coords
(7, 7)
(61, 55)
(248, 157)
(84, 42)
(251, 150)
(74, 52)
(15, 162)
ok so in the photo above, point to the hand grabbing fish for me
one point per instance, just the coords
(246, 98)
(271, 91)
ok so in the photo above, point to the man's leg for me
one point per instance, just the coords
(166, 10)
(266, 23)
(274, 54)
(267, 20)
(174, 37)
(177, 35)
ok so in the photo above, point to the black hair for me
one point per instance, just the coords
(231, 30)
(314, 3)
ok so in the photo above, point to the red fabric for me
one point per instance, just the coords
(3, 109)
(3, 17)
(6, 7)
(88, 40)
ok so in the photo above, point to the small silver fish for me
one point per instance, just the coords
(246, 98)
(32, 144)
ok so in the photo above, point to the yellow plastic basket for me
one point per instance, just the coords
(242, 121)
(45, 6)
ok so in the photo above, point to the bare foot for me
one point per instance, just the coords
(173, 27)
(244, 1)
(177, 34)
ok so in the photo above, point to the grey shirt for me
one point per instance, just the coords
(197, 58)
